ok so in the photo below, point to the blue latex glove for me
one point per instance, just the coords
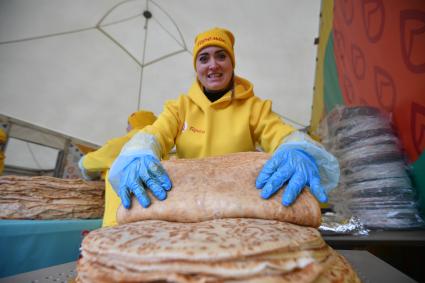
(144, 172)
(295, 166)
(137, 168)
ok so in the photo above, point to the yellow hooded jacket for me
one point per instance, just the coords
(233, 123)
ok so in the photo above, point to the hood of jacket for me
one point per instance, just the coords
(242, 89)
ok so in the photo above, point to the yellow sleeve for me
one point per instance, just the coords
(167, 126)
(103, 158)
(3, 136)
(1, 162)
(112, 202)
(269, 129)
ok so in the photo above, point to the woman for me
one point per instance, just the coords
(221, 115)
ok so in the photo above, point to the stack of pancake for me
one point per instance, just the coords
(44, 197)
(374, 185)
(214, 227)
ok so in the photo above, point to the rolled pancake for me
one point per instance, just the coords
(224, 250)
(245, 267)
(338, 271)
(93, 272)
(45, 197)
(219, 239)
(221, 187)
(335, 269)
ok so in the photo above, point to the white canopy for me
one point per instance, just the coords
(81, 67)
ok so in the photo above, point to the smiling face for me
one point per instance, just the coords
(214, 68)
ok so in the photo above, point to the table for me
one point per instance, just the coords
(369, 268)
(27, 245)
(400, 238)
(405, 250)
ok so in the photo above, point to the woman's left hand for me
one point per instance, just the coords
(295, 166)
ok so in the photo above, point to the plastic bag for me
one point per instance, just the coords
(374, 183)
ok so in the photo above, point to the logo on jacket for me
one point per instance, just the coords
(196, 130)
(192, 129)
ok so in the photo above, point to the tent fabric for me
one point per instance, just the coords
(81, 67)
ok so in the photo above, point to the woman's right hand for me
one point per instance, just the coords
(137, 169)
(144, 172)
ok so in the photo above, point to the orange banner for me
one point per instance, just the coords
(380, 57)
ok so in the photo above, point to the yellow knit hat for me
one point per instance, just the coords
(215, 37)
(141, 119)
